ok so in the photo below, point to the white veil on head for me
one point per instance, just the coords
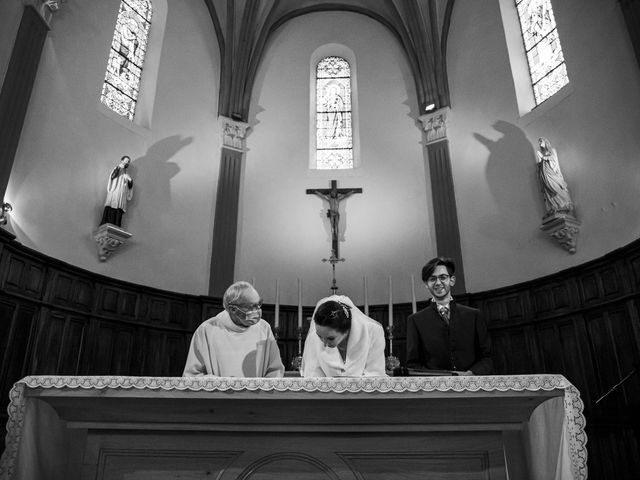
(355, 311)
(365, 348)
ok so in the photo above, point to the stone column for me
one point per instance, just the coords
(631, 13)
(19, 80)
(442, 193)
(225, 225)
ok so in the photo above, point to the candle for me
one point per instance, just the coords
(390, 303)
(253, 282)
(299, 303)
(277, 318)
(414, 308)
(366, 300)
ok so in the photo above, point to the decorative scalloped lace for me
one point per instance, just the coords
(573, 405)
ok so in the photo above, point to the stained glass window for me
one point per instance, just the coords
(334, 136)
(128, 48)
(546, 62)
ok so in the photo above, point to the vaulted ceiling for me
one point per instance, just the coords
(245, 27)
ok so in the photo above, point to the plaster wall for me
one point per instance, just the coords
(284, 233)
(593, 125)
(69, 146)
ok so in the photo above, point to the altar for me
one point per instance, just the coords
(142, 428)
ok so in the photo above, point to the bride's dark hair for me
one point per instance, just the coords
(334, 315)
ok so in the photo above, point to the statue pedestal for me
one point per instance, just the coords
(564, 227)
(109, 238)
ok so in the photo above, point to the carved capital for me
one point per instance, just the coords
(564, 228)
(435, 125)
(109, 238)
(46, 8)
(234, 133)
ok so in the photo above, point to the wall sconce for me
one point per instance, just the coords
(5, 208)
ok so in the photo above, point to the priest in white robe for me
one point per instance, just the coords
(237, 342)
(343, 342)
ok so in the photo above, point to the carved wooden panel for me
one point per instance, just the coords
(575, 355)
(150, 464)
(113, 347)
(549, 342)
(176, 349)
(58, 344)
(634, 266)
(109, 300)
(23, 276)
(16, 322)
(257, 453)
(467, 465)
(521, 358)
(552, 297)
(71, 291)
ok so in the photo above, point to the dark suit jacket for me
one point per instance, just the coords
(462, 345)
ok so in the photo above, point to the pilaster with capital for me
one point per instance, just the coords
(434, 125)
(445, 214)
(234, 134)
(45, 8)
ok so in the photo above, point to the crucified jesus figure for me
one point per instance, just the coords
(334, 196)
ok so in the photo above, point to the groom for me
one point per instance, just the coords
(446, 335)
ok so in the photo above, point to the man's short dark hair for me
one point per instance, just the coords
(431, 265)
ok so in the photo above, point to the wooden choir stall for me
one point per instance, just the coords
(142, 428)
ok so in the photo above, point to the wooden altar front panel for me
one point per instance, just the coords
(377, 428)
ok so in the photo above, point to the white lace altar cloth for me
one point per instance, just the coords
(573, 442)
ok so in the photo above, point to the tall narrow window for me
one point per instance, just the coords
(334, 132)
(542, 44)
(128, 48)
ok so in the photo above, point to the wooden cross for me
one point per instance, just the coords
(334, 196)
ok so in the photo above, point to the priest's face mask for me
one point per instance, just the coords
(330, 337)
(247, 310)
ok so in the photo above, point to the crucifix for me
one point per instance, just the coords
(334, 196)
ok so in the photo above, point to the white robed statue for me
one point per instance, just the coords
(119, 192)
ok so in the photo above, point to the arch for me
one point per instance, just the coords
(315, 465)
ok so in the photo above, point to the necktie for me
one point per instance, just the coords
(444, 312)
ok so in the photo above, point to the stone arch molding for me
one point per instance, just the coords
(243, 31)
(255, 470)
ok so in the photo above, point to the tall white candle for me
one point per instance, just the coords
(253, 281)
(277, 317)
(300, 303)
(366, 296)
(414, 307)
(390, 303)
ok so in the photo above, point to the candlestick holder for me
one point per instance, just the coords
(276, 332)
(391, 362)
(296, 362)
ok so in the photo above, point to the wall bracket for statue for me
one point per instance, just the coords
(109, 239)
(564, 228)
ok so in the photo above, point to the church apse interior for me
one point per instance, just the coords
(444, 142)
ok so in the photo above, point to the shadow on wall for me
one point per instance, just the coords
(154, 172)
(511, 179)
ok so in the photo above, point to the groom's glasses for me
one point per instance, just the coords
(433, 279)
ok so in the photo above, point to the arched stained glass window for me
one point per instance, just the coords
(544, 54)
(128, 48)
(334, 131)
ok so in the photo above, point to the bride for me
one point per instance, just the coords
(343, 342)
